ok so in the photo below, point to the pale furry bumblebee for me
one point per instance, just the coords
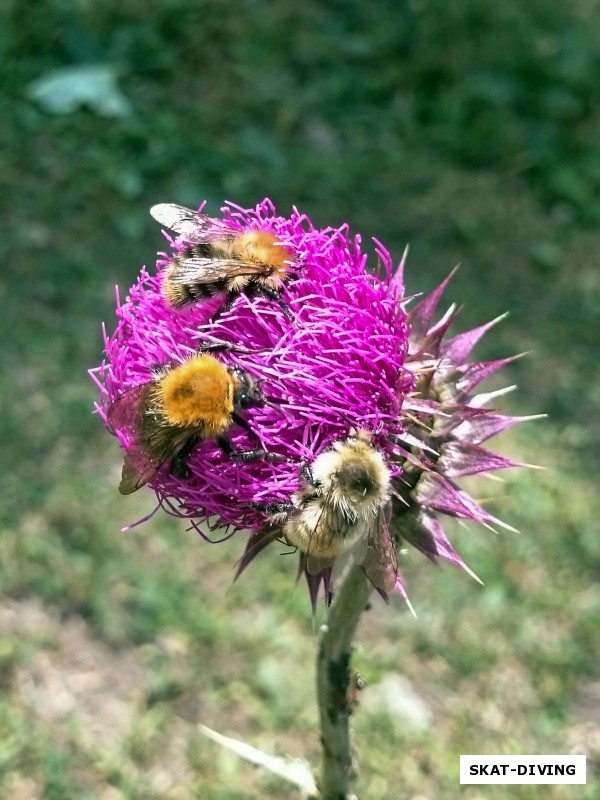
(221, 260)
(342, 505)
(166, 417)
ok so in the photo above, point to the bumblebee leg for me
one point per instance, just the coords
(178, 466)
(287, 311)
(274, 457)
(275, 295)
(245, 455)
(274, 507)
(307, 475)
(225, 347)
(224, 307)
(267, 291)
(248, 455)
(243, 423)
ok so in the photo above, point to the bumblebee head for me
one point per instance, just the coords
(246, 392)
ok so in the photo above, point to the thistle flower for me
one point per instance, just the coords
(343, 358)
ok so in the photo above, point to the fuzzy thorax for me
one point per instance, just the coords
(262, 247)
(354, 476)
(199, 392)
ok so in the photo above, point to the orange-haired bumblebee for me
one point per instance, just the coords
(221, 260)
(340, 507)
(183, 405)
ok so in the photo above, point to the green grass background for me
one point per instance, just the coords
(469, 130)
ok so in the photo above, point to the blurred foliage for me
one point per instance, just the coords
(469, 130)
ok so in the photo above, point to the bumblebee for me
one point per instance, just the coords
(221, 260)
(342, 506)
(183, 405)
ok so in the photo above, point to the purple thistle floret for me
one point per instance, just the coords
(345, 360)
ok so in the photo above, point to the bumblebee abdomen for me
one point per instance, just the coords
(178, 295)
(302, 534)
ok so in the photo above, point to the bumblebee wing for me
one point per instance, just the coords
(376, 553)
(214, 270)
(146, 454)
(126, 411)
(138, 469)
(142, 463)
(151, 442)
(181, 220)
(330, 525)
(314, 565)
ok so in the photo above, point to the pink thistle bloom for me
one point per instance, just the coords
(343, 360)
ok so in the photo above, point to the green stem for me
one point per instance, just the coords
(333, 681)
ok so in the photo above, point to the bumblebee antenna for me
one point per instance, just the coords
(347, 420)
(273, 401)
